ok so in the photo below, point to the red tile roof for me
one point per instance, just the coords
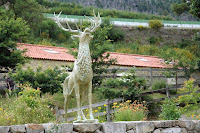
(138, 60)
(41, 52)
(60, 54)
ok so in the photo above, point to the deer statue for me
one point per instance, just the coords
(80, 80)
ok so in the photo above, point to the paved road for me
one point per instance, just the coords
(122, 23)
(191, 26)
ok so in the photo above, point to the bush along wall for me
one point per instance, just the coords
(180, 126)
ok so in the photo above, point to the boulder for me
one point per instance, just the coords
(98, 131)
(189, 125)
(197, 126)
(66, 128)
(172, 130)
(49, 127)
(157, 131)
(164, 124)
(116, 127)
(131, 125)
(18, 129)
(184, 130)
(34, 128)
(86, 127)
(144, 127)
(4, 129)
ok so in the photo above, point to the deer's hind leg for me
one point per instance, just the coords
(90, 99)
(66, 106)
(77, 91)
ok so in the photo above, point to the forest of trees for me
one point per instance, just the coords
(157, 7)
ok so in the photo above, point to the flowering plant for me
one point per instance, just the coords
(128, 111)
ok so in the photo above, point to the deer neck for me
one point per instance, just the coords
(84, 58)
(83, 63)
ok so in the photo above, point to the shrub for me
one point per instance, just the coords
(48, 29)
(116, 34)
(124, 50)
(147, 50)
(130, 112)
(184, 43)
(48, 80)
(158, 84)
(132, 83)
(153, 40)
(45, 42)
(113, 83)
(155, 24)
(198, 65)
(190, 101)
(141, 27)
(27, 108)
(169, 110)
(110, 93)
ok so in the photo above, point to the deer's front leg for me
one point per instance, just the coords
(90, 100)
(77, 91)
(84, 118)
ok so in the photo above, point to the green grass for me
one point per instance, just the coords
(126, 20)
(58, 100)
(157, 95)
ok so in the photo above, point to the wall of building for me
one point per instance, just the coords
(34, 63)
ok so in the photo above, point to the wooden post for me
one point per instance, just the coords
(167, 92)
(114, 75)
(57, 114)
(108, 110)
(176, 80)
(151, 76)
(140, 99)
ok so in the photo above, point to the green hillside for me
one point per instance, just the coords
(126, 20)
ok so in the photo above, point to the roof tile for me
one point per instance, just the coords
(60, 54)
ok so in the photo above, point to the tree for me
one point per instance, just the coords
(29, 10)
(178, 9)
(165, 12)
(181, 58)
(11, 31)
(192, 6)
(98, 47)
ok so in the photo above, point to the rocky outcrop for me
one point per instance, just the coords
(181, 126)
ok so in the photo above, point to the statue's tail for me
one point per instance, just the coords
(67, 86)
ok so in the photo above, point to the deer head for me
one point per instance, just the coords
(82, 35)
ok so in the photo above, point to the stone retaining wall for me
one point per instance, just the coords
(186, 126)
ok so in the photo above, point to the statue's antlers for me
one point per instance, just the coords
(95, 23)
(59, 24)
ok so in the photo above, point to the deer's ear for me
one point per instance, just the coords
(75, 37)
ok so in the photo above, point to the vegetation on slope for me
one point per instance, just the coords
(73, 9)
(156, 7)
